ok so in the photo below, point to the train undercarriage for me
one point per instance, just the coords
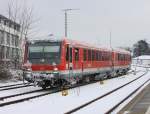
(56, 79)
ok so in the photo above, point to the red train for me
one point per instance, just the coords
(60, 62)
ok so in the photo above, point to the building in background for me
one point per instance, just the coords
(143, 60)
(10, 44)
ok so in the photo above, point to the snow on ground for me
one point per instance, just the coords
(108, 102)
(58, 104)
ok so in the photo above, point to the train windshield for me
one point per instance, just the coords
(45, 53)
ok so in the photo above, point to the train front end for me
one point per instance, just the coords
(42, 62)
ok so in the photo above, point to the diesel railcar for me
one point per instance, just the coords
(61, 62)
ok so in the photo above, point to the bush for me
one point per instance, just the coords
(5, 74)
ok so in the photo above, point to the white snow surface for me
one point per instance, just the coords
(58, 104)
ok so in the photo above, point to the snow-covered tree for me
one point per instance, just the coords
(141, 48)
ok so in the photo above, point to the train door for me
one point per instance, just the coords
(76, 58)
(69, 60)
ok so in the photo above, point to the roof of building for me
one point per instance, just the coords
(5, 18)
(143, 57)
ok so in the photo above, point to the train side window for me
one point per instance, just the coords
(124, 57)
(100, 56)
(121, 57)
(84, 54)
(93, 55)
(67, 53)
(97, 56)
(109, 55)
(76, 54)
(118, 57)
(129, 57)
(106, 56)
(103, 56)
(89, 55)
(70, 54)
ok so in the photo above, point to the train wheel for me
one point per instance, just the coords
(92, 78)
(108, 74)
(44, 86)
(87, 79)
(124, 72)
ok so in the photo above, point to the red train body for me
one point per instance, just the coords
(59, 62)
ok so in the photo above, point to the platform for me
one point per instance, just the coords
(140, 104)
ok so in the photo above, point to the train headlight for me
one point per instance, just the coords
(55, 69)
(29, 70)
(28, 75)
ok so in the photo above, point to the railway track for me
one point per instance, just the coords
(19, 94)
(44, 93)
(21, 97)
(108, 93)
(122, 101)
(11, 99)
(15, 86)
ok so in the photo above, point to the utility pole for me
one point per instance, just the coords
(111, 54)
(110, 40)
(66, 20)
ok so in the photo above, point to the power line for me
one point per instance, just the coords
(66, 20)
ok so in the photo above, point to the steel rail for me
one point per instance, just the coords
(102, 96)
(19, 94)
(13, 85)
(16, 87)
(54, 90)
(118, 104)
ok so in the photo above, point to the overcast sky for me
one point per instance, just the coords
(128, 20)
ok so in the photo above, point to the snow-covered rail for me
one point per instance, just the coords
(24, 96)
(14, 86)
(21, 97)
(16, 98)
(122, 101)
(109, 93)
(19, 94)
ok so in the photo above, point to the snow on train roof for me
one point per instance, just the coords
(79, 44)
(102, 47)
(46, 38)
(121, 50)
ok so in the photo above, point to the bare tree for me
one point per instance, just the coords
(23, 15)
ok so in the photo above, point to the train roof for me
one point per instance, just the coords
(85, 45)
(75, 43)
(98, 47)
